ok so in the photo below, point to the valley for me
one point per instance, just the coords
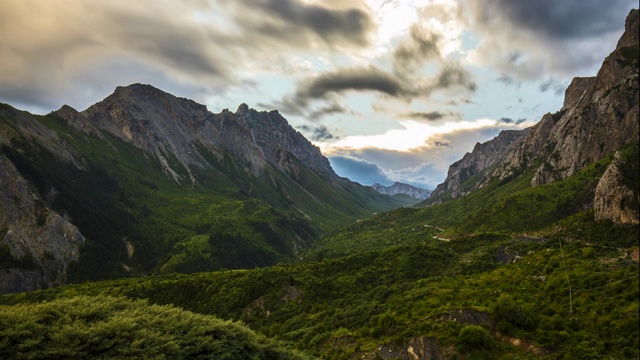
(148, 226)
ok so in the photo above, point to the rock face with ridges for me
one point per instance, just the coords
(400, 188)
(614, 200)
(483, 156)
(599, 115)
(274, 135)
(174, 129)
(36, 244)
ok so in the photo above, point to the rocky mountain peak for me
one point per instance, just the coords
(277, 138)
(631, 33)
(575, 90)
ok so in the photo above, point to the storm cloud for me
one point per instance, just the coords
(320, 133)
(295, 19)
(533, 36)
(58, 52)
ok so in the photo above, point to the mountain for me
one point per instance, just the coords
(483, 157)
(509, 269)
(599, 116)
(145, 182)
(400, 188)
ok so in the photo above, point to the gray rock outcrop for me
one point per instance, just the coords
(36, 244)
(613, 199)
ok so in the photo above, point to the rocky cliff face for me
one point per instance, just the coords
(614, 200)
(273, 134)
(599, 115)
(173, 129)
(36, 244)
(177, 131)
(483, 156)
(400, 188)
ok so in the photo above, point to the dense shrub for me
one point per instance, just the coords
(473, 337)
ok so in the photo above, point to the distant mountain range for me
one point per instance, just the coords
(401, 188)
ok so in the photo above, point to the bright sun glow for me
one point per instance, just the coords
(413, 135)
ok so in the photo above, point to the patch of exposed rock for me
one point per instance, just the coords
(614, 200)
(37, 245)
(419, 348)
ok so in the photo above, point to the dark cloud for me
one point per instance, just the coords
(557, 88)
(333, 108)
(371, 78)
(411, 54)
(510, 121)
(453, 75)
(567, 19)
(319, 133)
(47, 50)
(508, 80)
(441, 144)
(433, 115)
(533, 39)
(292, 18)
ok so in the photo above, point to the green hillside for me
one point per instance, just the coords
(138, 220)
(568, 288)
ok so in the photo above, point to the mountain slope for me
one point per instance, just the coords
(157, 183)
(599, 116)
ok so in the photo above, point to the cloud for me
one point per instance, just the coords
(508, 80)
(433, 115)
(320, 133)
(411, 54)
(77, 52)
(509, 121)
(557, 88)
(529, 39)
(296, 20)
(424, 166)
(333, 108)
(327, 85)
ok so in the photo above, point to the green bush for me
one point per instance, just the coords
(473, 337)
(105, 328)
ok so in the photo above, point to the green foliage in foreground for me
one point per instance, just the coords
(347, 307)
(104, 327)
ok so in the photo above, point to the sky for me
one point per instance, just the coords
(389, 90)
